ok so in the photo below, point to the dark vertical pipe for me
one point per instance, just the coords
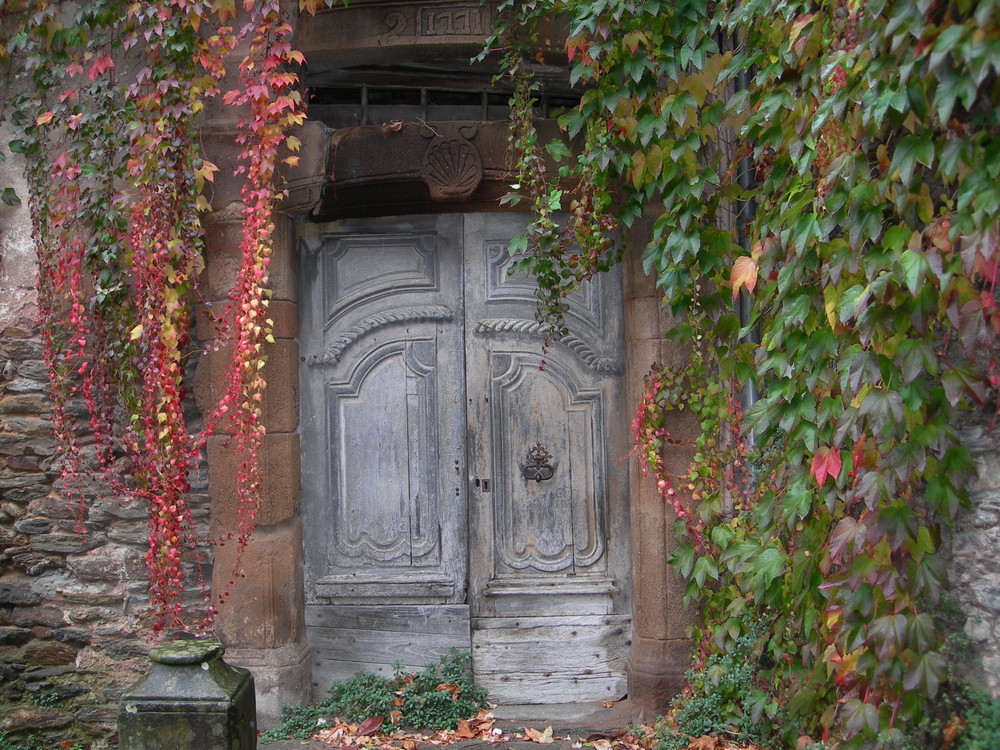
(745, 212)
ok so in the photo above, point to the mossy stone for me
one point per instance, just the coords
(190, 699)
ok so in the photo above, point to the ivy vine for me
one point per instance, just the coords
(866, 138)
(107, 97)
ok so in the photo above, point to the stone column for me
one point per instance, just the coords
(660, 654)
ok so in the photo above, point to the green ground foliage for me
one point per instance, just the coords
(31, 742)
(437, 697)
(722, 698)
(835, 167)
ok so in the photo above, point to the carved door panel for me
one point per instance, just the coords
(383, 446)
(548, 577)
(422, 394)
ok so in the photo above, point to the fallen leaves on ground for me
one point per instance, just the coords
(483, 728)
(534, 735)
(346, 735)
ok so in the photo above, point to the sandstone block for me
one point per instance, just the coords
(280, 407)
(280, 491)
(23, 718)
(49, 653)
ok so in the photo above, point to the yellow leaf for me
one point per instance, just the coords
(208, 170)
(293, 143)
(136, 332)
(225, 9)
(797, 27)
(744, 275)
(863, 391)
(830, 305)
(534, 735)
(44, 118)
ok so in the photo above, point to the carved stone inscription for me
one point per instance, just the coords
(436, 20)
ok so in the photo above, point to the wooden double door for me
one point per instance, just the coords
(461, 488)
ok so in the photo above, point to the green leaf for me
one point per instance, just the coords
(769, 565)
(925, 672)
(914, 266)
(558, 150)
(9, 197)
(910, 151)
(921, 634)
(683, 558)
(858, 716)
(704, 567)
(851, 302)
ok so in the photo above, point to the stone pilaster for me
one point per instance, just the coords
(660, 654)
(261, 621)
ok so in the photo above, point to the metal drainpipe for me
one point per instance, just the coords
(744, 215)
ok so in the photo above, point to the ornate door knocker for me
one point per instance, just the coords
(538, 467)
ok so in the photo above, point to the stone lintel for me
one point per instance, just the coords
(437, 167)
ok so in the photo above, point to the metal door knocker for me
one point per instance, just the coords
(538, 467)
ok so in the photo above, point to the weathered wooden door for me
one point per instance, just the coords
(456, 493)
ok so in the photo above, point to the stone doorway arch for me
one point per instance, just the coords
(378, 169)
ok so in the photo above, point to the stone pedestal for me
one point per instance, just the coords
(189, 700)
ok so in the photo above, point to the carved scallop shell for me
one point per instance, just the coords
(452, 169)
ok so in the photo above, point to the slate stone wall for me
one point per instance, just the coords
(974, 569)
(74, 615)
(74, 612)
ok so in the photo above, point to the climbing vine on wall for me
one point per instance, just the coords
(108, 100)
(865, 138)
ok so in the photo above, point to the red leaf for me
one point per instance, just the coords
(847, 531)
(826, 461)
(369, 726)
(101, 64)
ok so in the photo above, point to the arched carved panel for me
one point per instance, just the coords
(556, 525)
(384, 459)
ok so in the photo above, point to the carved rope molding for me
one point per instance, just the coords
(389, 317)
(573, 342)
